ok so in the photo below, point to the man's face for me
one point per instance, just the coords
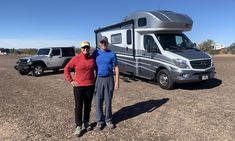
(103, 45)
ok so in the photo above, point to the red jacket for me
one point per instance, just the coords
(84, 67)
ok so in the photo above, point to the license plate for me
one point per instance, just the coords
(204, 77)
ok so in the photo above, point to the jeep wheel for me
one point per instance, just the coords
(38, 70)
(23, 72)
(164, 79)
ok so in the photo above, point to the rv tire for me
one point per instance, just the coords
(164, 79)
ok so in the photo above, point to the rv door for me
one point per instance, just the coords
(148, 61)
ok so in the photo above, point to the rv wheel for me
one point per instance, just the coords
(164, 79)
(38, 70)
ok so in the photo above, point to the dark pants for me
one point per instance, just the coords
(83, 96)
(104, 93)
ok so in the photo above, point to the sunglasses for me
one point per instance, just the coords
(85, 47)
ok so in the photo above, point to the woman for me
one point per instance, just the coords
(83, 85)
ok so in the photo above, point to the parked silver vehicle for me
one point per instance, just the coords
(53, 58)
(152, 45)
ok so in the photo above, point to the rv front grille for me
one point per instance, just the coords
(201, 64)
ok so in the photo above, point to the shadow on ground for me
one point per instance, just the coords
(49, 73)
(137, 109)
(209, 84)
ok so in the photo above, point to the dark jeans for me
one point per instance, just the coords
(83, 96)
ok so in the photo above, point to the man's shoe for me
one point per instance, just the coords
(110, 125)
(99, 126)
(87, 126)
(78, 131)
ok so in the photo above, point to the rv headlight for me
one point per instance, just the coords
(212, 62)
(212, 59)
(181, 63)
(29, 61)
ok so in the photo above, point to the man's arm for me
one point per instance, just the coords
(116, 86)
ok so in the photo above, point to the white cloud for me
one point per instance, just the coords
(36, 43)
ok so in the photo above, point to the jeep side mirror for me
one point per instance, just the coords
(51, 55)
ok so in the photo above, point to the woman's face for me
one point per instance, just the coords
(85, 50)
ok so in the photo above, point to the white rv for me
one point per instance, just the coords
(152, 45)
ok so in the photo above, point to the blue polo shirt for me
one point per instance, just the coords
(105, 61)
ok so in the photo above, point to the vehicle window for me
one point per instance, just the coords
(116, 38)
(66, 52)
(43, 51)
(178, 40)
(150, 45)
(174, 41)
(128, 37)
(56, 52)
(142, 22)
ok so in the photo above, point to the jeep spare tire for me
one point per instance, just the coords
(38, 70)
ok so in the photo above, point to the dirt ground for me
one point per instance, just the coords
(43, 108)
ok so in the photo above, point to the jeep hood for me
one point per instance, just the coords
(35, 57)
(190, 54)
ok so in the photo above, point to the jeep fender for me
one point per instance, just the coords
(39, 62)
(66, 62)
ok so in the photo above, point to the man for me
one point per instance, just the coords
(106, 61)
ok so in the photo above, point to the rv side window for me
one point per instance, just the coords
(128, 37)
(116, 38)
(142, 22)
(150, 45)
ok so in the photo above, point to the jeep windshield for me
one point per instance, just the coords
(174, 42)
(43, 51)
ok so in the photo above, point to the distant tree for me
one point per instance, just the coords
(232, 48)
(208, 46)
(29, 51)
(77, 50)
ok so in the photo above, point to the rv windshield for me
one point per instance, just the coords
(43, 51)
(174, 42)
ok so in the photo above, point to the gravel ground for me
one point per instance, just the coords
(43, 108)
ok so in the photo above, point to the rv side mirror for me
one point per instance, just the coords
(195, 45)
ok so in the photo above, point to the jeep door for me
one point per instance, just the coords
(56, 60)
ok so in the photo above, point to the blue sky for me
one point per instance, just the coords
(41, 23)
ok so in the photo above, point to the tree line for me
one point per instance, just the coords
(26, 51)
(207, 46)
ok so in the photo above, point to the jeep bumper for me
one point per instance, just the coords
(23, 68)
